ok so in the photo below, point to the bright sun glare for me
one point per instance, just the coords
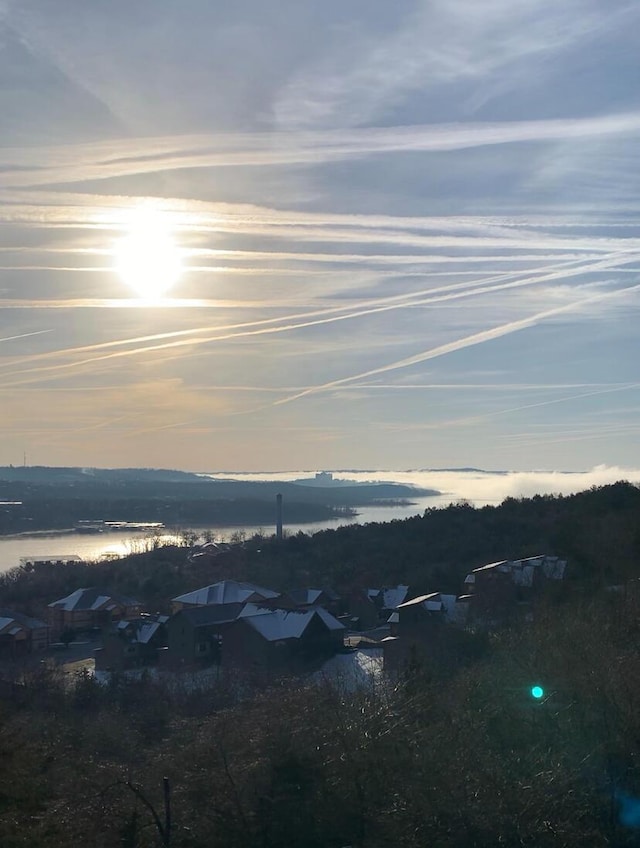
(147, 258)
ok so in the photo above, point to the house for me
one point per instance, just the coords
(21, 635)
(387, 600)
(363, 611)
(420, 614)
(282, 640)
(498, 588)
(426, 630)
(208, 551)
(132, 644)
(86, 609)
(194, 634)
(224, 592)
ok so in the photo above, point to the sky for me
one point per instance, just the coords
(357, 235)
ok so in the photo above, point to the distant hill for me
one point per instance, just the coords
(57, 498)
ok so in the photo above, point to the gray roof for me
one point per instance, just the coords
(7, 615)
(93, 599)
(142, 629)
(278, 625)
(390, 597)
(523, 571)
(225, 592)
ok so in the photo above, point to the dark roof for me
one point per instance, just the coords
(211, 614)
(24, 620)
(310, 595)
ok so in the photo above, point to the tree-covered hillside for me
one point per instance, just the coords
(458, 755)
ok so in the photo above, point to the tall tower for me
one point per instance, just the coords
(279, 517)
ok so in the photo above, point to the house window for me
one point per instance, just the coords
(202, 647)
(130, 649)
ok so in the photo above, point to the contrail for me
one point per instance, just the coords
(459, 344)
(433, 295)
(25, 335)
(379, 304)
(258, 328)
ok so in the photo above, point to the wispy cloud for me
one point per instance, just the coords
(359, 195)
(92, 162)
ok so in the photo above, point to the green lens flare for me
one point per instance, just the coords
(537, 692)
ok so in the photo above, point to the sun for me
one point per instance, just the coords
(147, 259)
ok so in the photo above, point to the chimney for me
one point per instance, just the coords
(279, 517)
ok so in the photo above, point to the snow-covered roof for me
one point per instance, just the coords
(330, 620)
(389, 596)
(92, 599)
(394, 596)
(225, 592)
(141, 629)
(252, 609)
(147, 630)
(8, 617)
(491, 566)
(523, 570)
(422, 600)
(277, 625)
(281, 624)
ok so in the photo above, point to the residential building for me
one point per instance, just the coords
(387, 599)
(282, 640)
(499, 588)
(425, 631)
(195, 633)
(21, 635)
(132, 644)
(90, 608)
(224, 592)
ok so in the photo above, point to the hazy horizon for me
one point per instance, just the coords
(336, 235)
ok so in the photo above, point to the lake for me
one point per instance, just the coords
(100, 545)
(476, 486)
